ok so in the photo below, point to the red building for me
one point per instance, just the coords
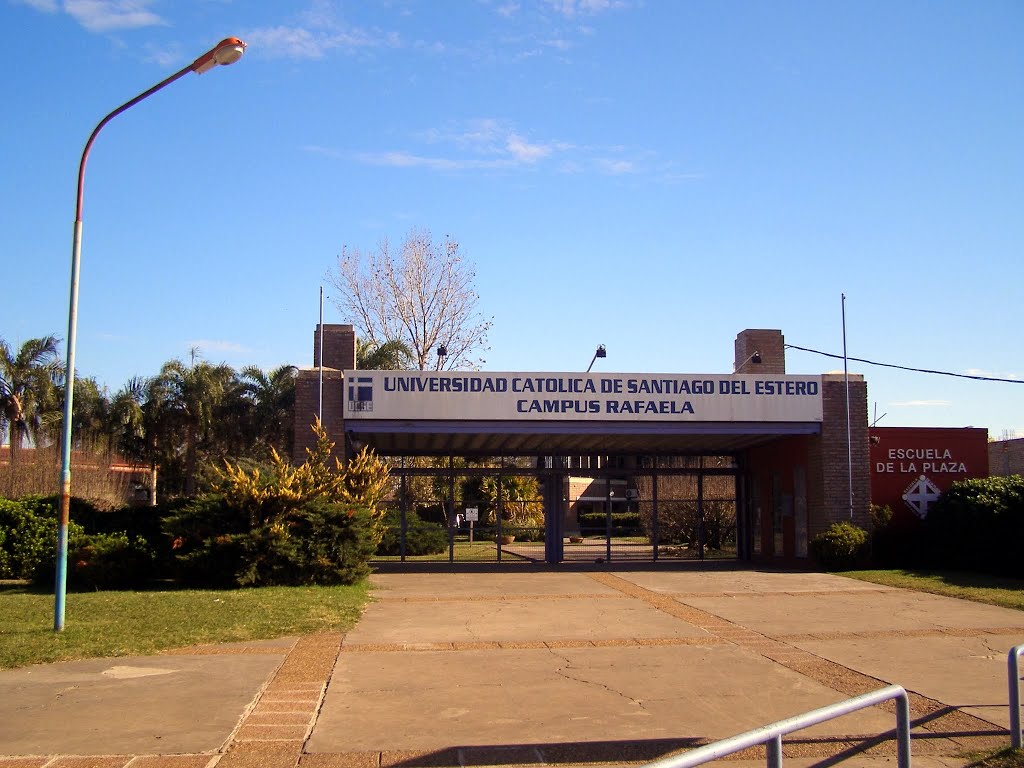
(911, 466)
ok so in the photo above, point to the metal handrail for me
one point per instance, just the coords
(771, 735)
(1013, 673)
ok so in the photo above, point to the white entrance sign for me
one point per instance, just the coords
(474, 395)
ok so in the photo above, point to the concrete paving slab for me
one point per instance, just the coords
(968, 673)
(161, 704)
(479, 586)
(437, 699)
(514, 620)
(744, 581)
(793, 614)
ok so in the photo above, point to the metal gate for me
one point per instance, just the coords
(551, 509)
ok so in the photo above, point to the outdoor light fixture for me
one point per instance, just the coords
(442, 355)
(227, 51)
(600, 352)
(754, 358)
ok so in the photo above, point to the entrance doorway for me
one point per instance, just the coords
(526, 510)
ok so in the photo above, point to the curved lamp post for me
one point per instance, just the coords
(227, 51)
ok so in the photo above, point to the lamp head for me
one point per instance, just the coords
(227, 51)
(601, 351)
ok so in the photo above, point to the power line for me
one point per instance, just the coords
(908, 368)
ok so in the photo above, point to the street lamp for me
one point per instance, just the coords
(227, 51)
(600, 352)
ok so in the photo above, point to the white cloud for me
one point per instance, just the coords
(106, 15)
(525, 152)
(163, 57)
(46, 6)
(319, 30)
(616, 167)
(992, 375)
(286, 42)
(102, 15)
(508, 10)
(573, 8)
(491, 144)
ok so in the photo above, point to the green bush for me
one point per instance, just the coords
(102, 561)
(978, 525)
(841, 547)
(216, 544)
(623, 523)
(28, 537)
(421, 537)
(134, 522)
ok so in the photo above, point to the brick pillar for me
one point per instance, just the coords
(829, 459)
(339, 347)
(770, 346)
(339, 343)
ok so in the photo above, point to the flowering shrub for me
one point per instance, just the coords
(282, 524)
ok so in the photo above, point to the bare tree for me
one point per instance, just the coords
(423, 295)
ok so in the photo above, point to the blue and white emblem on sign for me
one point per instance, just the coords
(920, 494)
(360, 393)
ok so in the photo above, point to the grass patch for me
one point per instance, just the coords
(99, 624)
(1004, 758)
(465, 552)
(994, 590)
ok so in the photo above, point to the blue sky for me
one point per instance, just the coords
(654, 176)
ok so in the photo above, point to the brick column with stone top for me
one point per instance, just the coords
(339, 354)
(828, 492)
(770, 346)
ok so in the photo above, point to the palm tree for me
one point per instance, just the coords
(272, 399)
(27, 390)
(389, 356)
(139, 424)
(193, 395)
(91, 422)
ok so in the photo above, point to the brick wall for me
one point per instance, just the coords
(1006, 457)
(769, 343)
(339, 347)
(829, 459)
(339, 356)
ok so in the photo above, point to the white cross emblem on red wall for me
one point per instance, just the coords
(920, 494)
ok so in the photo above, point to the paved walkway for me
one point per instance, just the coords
(532, 667)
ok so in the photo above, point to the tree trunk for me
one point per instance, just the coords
(152, 484)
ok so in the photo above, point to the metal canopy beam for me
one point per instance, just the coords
(492, 438)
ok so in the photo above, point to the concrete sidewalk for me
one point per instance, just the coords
(532, 666)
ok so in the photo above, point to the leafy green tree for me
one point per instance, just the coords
(518, 496)
(386, 356)
(271, 400)
(140, 427)
(190, 397)
(91, 422)
(27, 390)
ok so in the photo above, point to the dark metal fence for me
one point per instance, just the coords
(510, 512)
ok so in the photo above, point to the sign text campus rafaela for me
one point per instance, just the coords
(526, 396)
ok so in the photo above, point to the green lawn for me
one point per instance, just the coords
(994, 590)
(128, 623)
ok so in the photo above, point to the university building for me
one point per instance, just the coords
(605, 466)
